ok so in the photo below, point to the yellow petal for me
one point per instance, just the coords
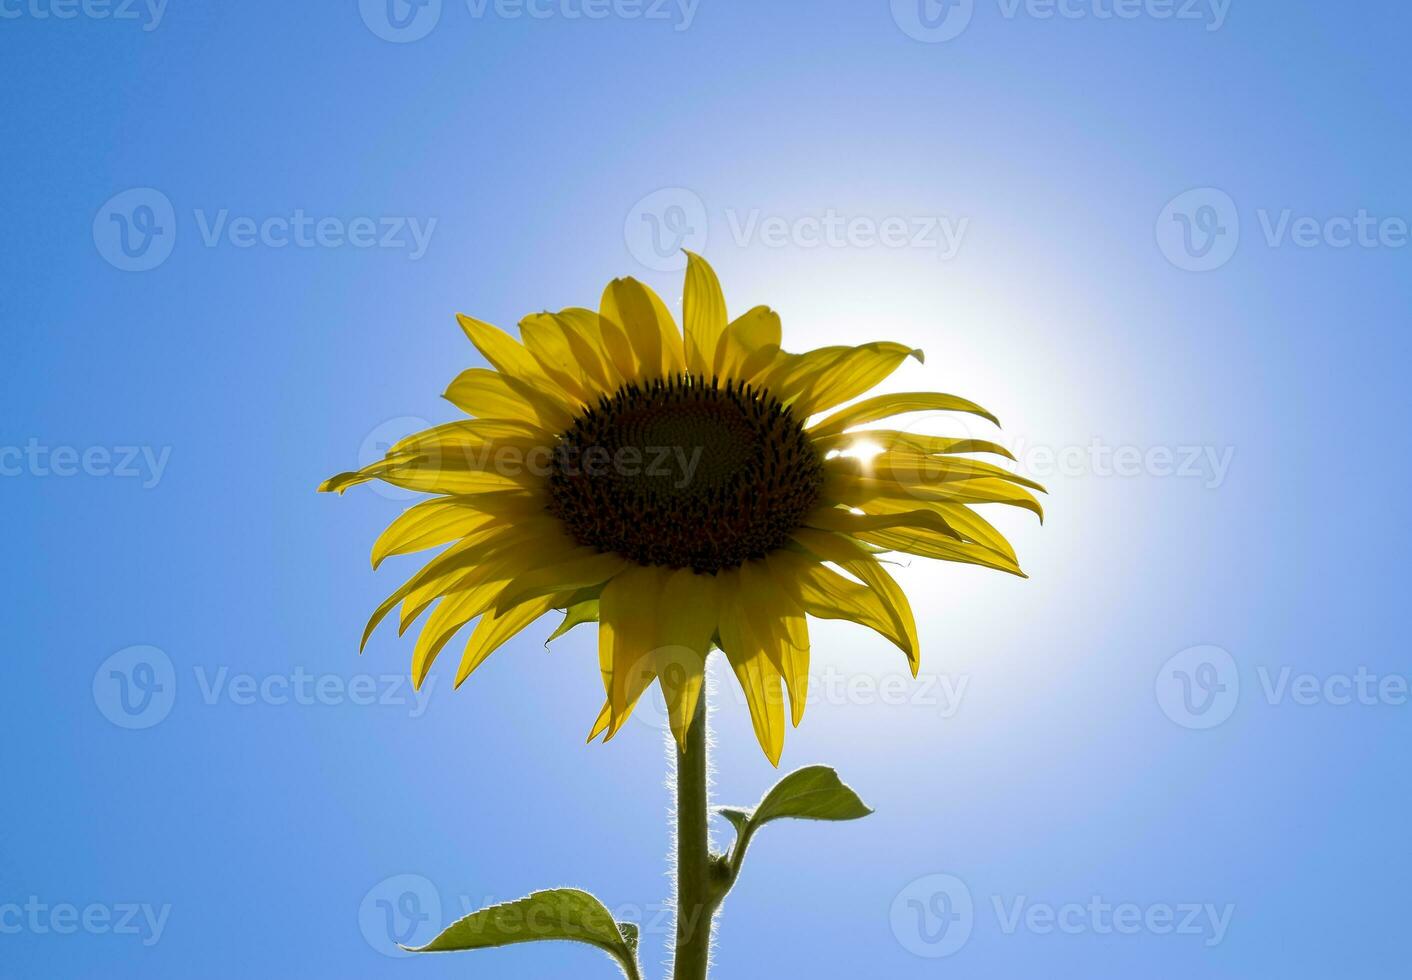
(970, 525)
(608, 338)
(886, 439)
(581, 568)
(929, 545)
(830, 376)
(690, 616)
(639, 681)
(451, 613)
(439, 521)
(470, 433)
(756, 330)
(654, 337)
(883, 406)
(753, 668)
(908, 467)
(458, 566)
(600, 724)
(628, 636)
(505, 353)
(486, 394)
(584, 337)
(495, 628)
(703, 315)
(549, 345)
(493, 558)
(779, 621)
(825, 594)
(922, 530)
(472, 473)
(830, 518)
(447, 460)
(860, 491)
(847, 554)
(373, 471)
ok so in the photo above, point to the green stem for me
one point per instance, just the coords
(696, 895)
(631, 970)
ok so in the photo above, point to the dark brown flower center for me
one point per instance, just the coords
(685, 473)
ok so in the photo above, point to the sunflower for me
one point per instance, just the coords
(687, 490)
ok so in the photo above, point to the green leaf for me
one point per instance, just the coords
(738, 818)
(579, 612)
(557, 914)
(811, 793)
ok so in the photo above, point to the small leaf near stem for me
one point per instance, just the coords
(811, 793)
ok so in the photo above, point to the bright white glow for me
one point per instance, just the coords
(862, 449)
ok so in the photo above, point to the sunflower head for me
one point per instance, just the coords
(688, 490)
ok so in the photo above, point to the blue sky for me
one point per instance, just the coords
(1166, 242)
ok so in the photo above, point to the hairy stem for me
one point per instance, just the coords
(696, 895)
